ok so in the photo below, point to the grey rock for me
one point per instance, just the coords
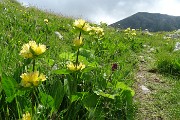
(177, 46)
(59, 35)
(146, 32)
(145, 89)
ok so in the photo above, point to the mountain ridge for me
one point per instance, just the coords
(152, 21)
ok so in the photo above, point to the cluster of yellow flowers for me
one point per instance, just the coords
(84, 26)
(97, 30)
(74, 67)
(31, 49)
(32, 78)
(130, 31)
(26, 116)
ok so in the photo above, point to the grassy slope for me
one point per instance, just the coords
(24, 24)
(163, 100)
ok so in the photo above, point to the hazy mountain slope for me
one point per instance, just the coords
(151, 21)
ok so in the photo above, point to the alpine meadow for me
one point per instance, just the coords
(54, 67)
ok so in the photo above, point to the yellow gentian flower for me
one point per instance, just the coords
(79, 23)
(97, 30)
(26, 116)
(133, 34)
(78, 42)
(32, 78)
(73, 67)
(127, 30)
(82, 25)
(38, 49)
(87, 27)
(25, 52)
(31, 49)
(46, 21)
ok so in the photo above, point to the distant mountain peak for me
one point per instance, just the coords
(151, 21)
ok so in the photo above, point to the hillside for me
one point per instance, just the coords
(151, 21)
(54, 67)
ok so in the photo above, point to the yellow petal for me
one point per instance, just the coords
(78, 42)
(71, 66)
(42, 77)
(25, 51)
(87, 27)
(46, 21)
(79, 23)
(26, 116)
(40, 49)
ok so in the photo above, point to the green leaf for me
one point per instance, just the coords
(89, 54)
(0, 79)
(9, 86)
(1, 89)
(50, 62)
(0, 71)
(121, 85)
(57, 92)
(90, 100)
(83, 60)
(177, 64)
(62, 71)
(78, 96)
(93, 64)
(88, 69)
(109, 85)
(103, 94)
(66, 55)
(27, 61)
(96, 114)
(67, 87)
(21, 92)
(46, 100)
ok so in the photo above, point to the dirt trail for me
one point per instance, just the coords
(146, 85)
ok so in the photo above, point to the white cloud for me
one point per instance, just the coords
(168, 7)
(108, 11)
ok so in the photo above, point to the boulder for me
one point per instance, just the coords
(146, 32)
(177, 46)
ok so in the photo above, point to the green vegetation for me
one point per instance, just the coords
(87, 72)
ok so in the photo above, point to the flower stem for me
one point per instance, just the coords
(76, 64)
(80, 35)
(77, 57)
(46, 33)
(18, 107)
(33, 65)
(32, 92)
(33, 100)
(78, 51)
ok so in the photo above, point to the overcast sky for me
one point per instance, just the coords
(108, 11)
